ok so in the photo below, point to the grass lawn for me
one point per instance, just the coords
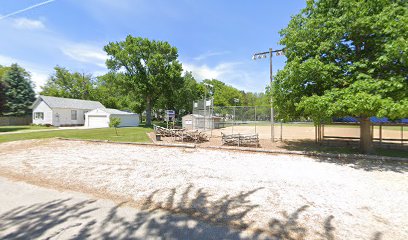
(130, 134)
(22, 128)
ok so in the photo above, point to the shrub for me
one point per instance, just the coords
(114, 122)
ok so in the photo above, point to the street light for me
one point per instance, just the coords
(264, 55)
(236, 100)
(205, 100)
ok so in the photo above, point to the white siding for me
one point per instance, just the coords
(62, 116)
(128, 120)
(100, 118)
(43, 107)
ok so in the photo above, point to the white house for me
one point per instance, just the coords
(101, 117)
(58, 111)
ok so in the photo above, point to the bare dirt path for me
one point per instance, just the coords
(269, 196)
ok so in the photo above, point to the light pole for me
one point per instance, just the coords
(236, 100)
(264, 55)
(205, 100)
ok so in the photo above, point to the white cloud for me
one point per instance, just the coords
(25, 23)
(232, 73)
(210, 54)
(85, 53)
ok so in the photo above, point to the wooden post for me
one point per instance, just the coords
(380, 129)
(239, 139)
(322, 132)
(281, 130)
(402, 135)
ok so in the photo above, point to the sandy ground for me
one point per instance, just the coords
(302, 132)
(268, 196)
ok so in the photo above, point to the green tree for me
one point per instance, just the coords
(150, 67)
(224, 94)
(114, 122)
(187, 94)
(108, 91)
(19, 91)
(345, 58)
(2, 96)
(64, 83)
(2, 89)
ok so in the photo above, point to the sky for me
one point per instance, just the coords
(215, 38)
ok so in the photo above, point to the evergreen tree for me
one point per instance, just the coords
(2, 96)
(19, 92)
(2, 89)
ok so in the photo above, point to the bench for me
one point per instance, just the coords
(240, 139)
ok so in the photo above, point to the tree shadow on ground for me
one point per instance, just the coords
(31, 222)
(181, 217)
(367, 165)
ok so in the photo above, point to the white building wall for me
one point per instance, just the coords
(62, 116)
(97, 113)
(43, 107)
(131, 120)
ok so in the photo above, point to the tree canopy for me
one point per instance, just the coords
(108, 90)
(3, 98)
(345, 58)
(19, 93)
(64, 83)
(150, 67)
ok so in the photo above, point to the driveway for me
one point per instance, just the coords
(232, 195)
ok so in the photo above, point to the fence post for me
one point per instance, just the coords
(255, 120)
(402, 135)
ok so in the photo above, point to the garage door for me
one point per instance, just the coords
(98, 121)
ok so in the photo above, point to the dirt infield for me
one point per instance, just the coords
(264, 196)
(304, 132)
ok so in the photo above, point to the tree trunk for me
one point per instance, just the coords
(148, 111)
(366, 139)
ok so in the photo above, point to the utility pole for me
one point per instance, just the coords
(264, 55)
(205, 101)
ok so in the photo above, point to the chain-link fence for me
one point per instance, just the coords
(257, 120)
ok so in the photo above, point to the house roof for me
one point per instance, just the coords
(57, 102)
(109, 111)
(115, 111)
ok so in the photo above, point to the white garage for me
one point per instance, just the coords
(99, 118)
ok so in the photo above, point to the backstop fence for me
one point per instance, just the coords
(257, 120)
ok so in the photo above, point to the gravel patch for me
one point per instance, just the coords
(283, 196)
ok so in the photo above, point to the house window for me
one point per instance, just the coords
(39, 115)
(73, 114)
